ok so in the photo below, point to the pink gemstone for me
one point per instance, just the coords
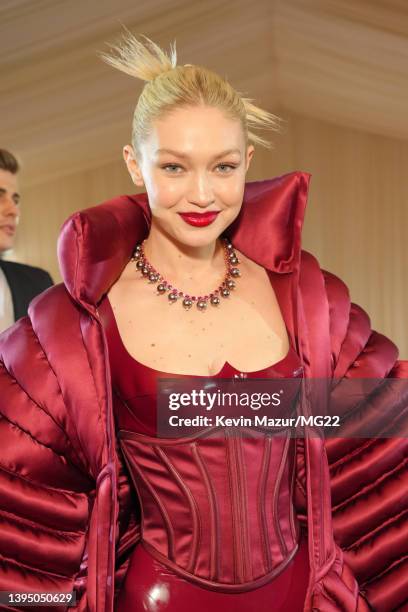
(180, 293)
(211, 294)
(193, 297)
(206, 297)
(169, 286)
(187, 297)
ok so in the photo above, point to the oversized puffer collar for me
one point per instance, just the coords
(95, 244)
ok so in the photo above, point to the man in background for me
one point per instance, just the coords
(19, 283)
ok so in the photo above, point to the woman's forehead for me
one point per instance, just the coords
(186, 135)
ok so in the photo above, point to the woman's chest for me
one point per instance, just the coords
(246, 330)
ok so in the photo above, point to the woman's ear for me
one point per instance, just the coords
(132, 165)
(249, 154)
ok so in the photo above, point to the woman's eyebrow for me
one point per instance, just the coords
(185, 155)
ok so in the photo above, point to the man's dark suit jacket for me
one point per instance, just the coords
(25, 283)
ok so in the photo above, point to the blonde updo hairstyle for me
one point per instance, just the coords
(170, 86)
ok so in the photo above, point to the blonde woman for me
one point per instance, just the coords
(202, 276)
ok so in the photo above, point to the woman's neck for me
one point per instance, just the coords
(191, 269)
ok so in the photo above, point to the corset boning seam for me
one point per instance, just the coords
(193, 506)
(276, 492)
(234, 498)
(243, 489)
(215, 534)
(294, 525)
(162, 509)
(262, 502)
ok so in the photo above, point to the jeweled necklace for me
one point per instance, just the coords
(173, 294)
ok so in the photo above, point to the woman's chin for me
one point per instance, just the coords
(199, 237)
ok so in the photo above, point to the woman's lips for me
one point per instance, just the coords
(199, 219)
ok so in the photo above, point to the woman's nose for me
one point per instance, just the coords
(201, 192)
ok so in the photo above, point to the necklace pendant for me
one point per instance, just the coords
(201, 304)
(137, 253)
(187, 303)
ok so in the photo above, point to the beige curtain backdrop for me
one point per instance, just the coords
(335, 70)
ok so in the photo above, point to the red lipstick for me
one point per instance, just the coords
(199, 219)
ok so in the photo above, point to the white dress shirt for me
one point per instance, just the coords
(6, 303)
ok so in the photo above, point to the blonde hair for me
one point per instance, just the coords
(170, 86)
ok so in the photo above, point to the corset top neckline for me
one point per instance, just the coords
(288, 366)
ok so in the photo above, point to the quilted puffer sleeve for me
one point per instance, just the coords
(369, 476)
(46, 497)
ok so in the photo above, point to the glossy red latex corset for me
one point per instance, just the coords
(216, 508)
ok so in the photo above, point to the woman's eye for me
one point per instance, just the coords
(227, 166)
(171, 166)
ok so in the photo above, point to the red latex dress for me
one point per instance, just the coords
(219, 528)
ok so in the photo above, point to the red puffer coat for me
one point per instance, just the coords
(69, 518)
